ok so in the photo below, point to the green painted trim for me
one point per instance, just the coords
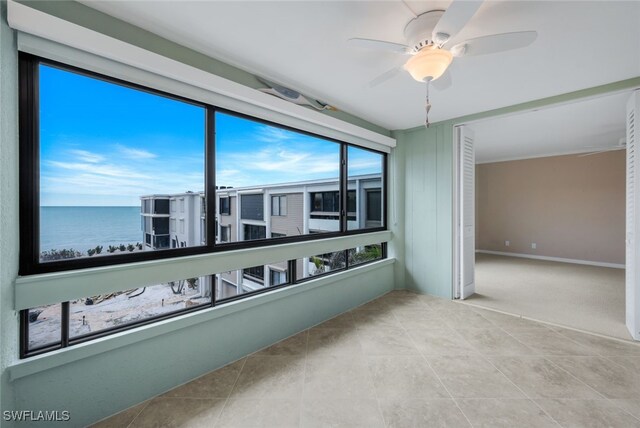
(43, 289)
(85, 16)
(53, 359)
(540, 103)
(61, 357)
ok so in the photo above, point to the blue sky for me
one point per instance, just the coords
(105, 145)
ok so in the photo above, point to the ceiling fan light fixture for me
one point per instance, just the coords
(428, 64)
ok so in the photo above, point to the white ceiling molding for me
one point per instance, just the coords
(31, 21)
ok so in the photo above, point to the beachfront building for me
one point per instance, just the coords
(260, 212)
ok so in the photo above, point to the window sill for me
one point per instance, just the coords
(42, 289)
(60, 357)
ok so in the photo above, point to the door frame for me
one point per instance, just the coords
(455, 164)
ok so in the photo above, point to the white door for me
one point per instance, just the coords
(633, 224)
(466, 218)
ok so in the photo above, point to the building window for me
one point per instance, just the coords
(252, 207)
(225, 233)
(160, 206)
(173, 225)
(279, 205)
(252, 232)
(374, 206)
(225, 206)
(173, 205)
(325, 202)
(181, 225)
(277, 277)
(253, 156)
(181, 200)
(108, 170)
(255, 273)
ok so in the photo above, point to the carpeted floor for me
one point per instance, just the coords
(584, 297)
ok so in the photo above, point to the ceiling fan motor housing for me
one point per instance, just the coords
(418, 31)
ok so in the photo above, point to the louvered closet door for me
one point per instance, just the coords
(467, 212)
(633, 225)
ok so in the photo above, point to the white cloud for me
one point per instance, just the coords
(271, 134)
(135, 153)
(86, 156)
(105, 169)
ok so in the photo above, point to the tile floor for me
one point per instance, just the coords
(408, 360)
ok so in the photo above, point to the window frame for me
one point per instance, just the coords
(276, 209)
(29, 178)
(29, 171)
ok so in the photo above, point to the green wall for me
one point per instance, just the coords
(95, 387)
(9, 205)
(427, 162)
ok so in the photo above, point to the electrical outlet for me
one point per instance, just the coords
(507, 243)
(534, 245)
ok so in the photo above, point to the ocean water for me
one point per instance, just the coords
(82, 228)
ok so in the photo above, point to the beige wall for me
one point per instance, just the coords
(291, 224)
(571, 207)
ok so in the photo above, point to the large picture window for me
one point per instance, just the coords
(112, 172)
(253, 156)
(107, 159)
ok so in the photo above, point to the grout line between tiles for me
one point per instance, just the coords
(522, 391)
(304, 377)
(546, 358)
(226, 401)
(624, 410)
(138, 414)
(433, 371)
(482, 356)
(375, 390)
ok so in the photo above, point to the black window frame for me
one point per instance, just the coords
(30, 169)
(29, 200)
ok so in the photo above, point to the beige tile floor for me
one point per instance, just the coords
(408, 360)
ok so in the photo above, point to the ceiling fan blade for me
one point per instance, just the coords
(380, 45)
(387, 75)
(454, 19)
(494, 43)
(442, 82)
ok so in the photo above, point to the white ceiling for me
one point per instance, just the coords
(584, 126)
(302, 44)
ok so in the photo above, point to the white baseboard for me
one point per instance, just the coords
(554, 259)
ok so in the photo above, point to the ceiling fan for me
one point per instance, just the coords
(427, 36)
(622, 144)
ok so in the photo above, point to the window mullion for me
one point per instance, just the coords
(210, 177)
(343, 188)
(64, 325)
